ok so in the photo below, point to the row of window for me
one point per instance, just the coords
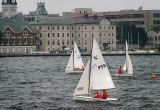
(125, 16)
(8, 33)
(68, 35)
(18, 41)
(79, 28)
(156, 38)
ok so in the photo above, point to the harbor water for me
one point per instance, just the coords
(40, 83)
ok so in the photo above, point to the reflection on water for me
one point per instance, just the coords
(39, 83)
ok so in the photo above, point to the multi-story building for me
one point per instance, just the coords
(9, 8)
(153, 39)
(141, 18)
(18, 36)
(58, 33)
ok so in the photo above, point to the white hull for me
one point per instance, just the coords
(73, 72)
(127, 75)
(91, 99)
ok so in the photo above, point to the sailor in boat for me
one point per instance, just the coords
(154, 76)
(105, 94)
(120, 71)
(98, 95)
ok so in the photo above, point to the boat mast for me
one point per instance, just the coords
(126, 58)
(73, 53)
(90, 68)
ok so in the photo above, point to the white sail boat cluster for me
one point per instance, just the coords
(96, 75)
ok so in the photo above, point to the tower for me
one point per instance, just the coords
(41, 9)
(9, 8)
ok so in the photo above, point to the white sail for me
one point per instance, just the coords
(82, 87)
(100, 77)
(69, 66)
(75, 60)
(124, 67)
(77, 57)
(129, 67)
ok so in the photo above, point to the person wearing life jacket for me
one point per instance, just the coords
(119, 71)
(154, 76)
(98, 95)
(105, 94)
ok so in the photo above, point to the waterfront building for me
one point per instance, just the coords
(9, 8)
(18, 36)
(141, 18)
(58, 33)
(153, 39)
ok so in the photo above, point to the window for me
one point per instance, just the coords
(99, 27)
(72, 34)
(67, 34)
(85, 27)
(57, 27)
(92, 28)
(48, 27)
(57, 34)
(40, 42)
(112, 34)
(85, 35)
(99, 42)
(63, 28)
(112, 27)
(40, 35)
(48, 34)
(155, 38)
(63, 42)
(72, 28)
(67, 28)
(53, 34)
(40, 28)
(67, 42)
(108, 27)
(53, 28)
(58, 42)
(100, 35)
(62, 34)
(92, 35)
(85, 42)
(7, 33)
(53, 42)
(48, 42)
(25, 33)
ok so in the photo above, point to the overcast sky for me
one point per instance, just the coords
(58, 6)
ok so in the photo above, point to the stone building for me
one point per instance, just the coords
(9, 8)
(58, 33)
(18, 36)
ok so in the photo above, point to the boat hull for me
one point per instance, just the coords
(73, 72)
(91, 99)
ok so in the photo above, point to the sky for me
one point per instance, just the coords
(59, 6)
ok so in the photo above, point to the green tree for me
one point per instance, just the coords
(130, 32)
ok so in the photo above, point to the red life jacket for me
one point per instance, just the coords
(119, 71)
(98, 95)
(105, 95)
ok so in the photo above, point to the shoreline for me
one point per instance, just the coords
(37, 55)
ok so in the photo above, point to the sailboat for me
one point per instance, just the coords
(128, 68)
(75, 64)
(96, 76)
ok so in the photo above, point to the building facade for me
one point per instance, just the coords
(141, 18)
(9, 8)
(58, 33)
(18, 37)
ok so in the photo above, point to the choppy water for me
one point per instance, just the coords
(39, 83)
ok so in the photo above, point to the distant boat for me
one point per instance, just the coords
(96, 76)
(75, 64)
(128, 68)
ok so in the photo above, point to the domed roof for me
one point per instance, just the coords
(9, 2)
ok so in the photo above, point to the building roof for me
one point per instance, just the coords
(54, 20)
(68, 20)
(16, 24)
